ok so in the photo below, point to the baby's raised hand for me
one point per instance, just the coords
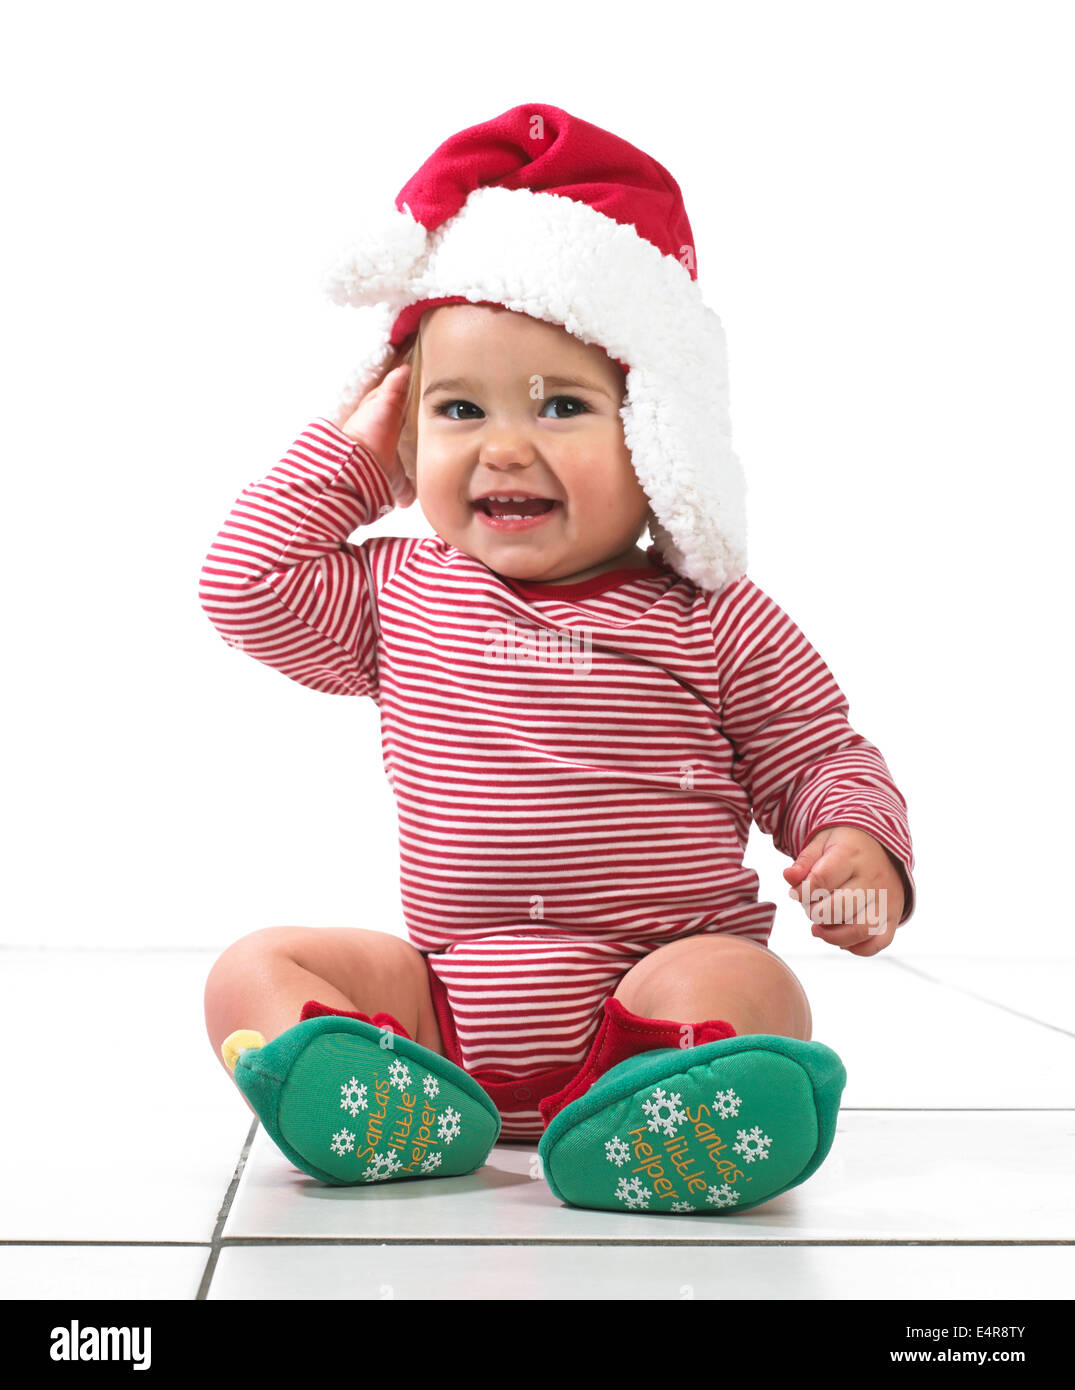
(378, 422)
(850, 888)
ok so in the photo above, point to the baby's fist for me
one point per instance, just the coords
(850, 888)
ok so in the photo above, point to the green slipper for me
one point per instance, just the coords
(705, 1130)
(348, 1102)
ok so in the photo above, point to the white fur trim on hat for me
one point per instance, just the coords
(379, 264)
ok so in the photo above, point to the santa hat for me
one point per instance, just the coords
(553, 217)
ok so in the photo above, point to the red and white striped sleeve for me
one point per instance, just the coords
(281, 581)
(796, 755)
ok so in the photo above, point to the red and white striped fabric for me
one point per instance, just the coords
(576, 766)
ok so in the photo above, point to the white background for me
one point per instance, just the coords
(881, 200)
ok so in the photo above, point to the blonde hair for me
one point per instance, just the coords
(408, 435)
(414, 357)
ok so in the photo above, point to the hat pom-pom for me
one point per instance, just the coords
(380, 264)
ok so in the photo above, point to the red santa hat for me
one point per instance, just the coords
(550, 216)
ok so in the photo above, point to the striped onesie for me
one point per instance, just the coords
(575, 766)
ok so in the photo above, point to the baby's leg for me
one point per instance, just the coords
(263, 980)
(689, 1120)
(718, 977)
(346, 1101)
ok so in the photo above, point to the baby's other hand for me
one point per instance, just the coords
(850, 887)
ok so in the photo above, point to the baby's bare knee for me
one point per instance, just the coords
(237, 974)
(696, 956)
(339, 954)
(248, 955)
(275, 969)
(713, 975)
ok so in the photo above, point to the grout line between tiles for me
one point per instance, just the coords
(547, 1243)
(222, 1216)
(116, 1244)
(235, 1242)
(982, 998)
(13, 948)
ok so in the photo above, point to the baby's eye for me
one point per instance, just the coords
(446, 406)
(571, 400)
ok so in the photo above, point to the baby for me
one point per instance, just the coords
(577, 731)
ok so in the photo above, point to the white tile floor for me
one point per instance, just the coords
(131, 1169)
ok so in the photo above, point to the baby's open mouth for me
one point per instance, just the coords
(515, 509)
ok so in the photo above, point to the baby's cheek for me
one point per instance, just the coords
(440, 501)
(630, 519)
(611, 507)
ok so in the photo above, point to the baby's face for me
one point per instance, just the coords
(512, 407)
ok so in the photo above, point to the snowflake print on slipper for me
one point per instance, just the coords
(617, 1151)
(634, 1196)
(664, 1112)
(753, 1145)
(381, 1166)
(726, 1104)
(399, 1075)
(722, 1196)
(354, 1104)
(448, 1127)
(709, 1130)
(353, 1096)
(343, 1142)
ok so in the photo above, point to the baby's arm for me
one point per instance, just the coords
(281, 581)
(819, 788)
